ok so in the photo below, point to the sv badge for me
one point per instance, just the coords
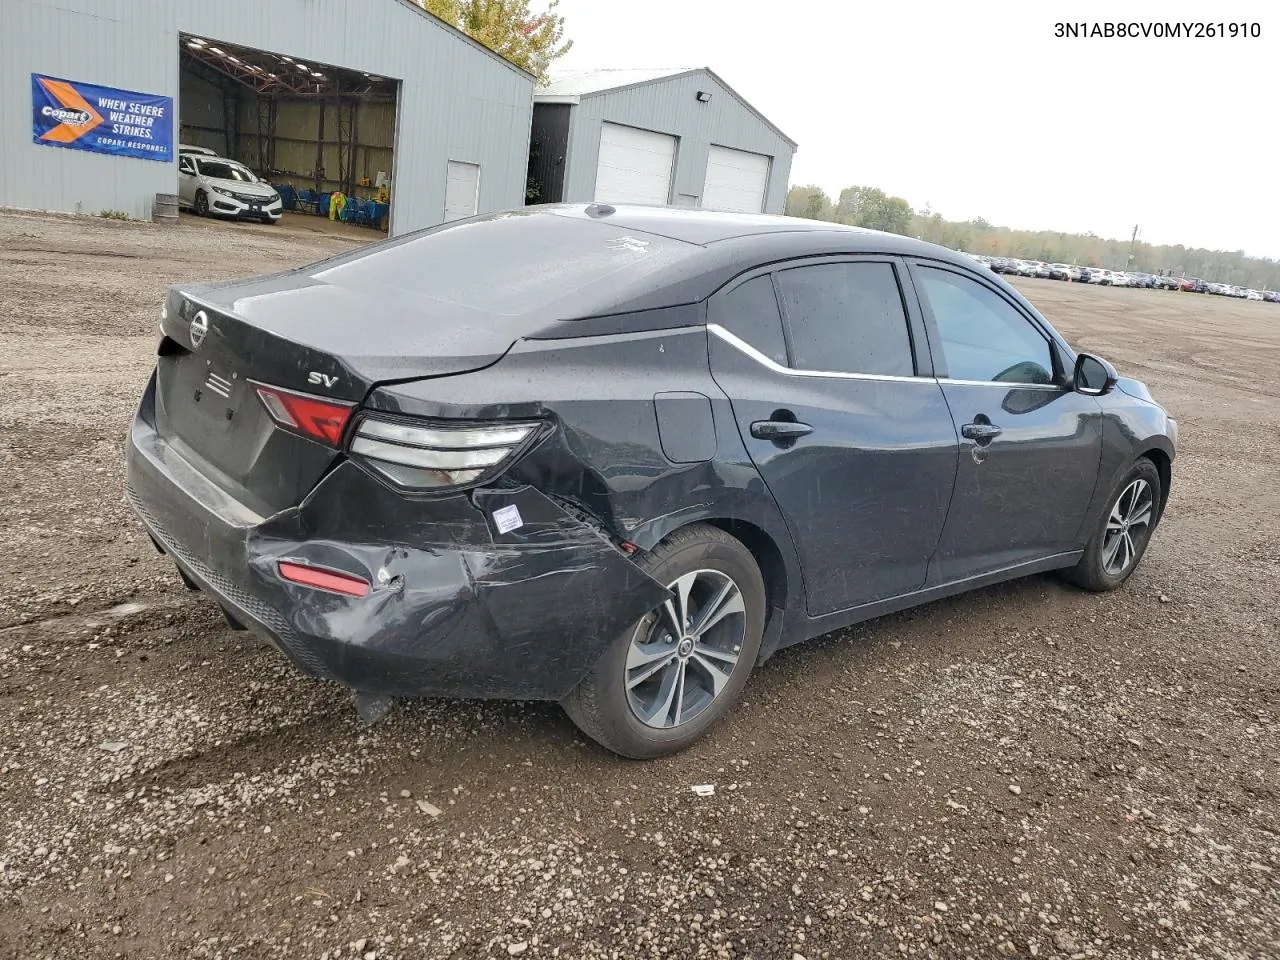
(321, 379)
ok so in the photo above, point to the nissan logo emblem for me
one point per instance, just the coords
(199, 327)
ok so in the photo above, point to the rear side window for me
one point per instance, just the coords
(847, 318)
(750, 311)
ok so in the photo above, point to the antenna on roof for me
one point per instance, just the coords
(600, 210)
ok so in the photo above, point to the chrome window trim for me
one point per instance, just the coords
(1006, 384)
(743, 347)
(770, 364)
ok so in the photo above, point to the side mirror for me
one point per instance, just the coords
(1093, 375)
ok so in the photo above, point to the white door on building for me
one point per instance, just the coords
(461, 190)
(736, 180)
(635, 165)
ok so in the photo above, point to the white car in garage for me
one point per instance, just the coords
(216, 186)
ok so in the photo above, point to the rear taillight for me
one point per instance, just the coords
(315, 417)
(436, 454)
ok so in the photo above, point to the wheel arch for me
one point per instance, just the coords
(766, 553)
(1163, 461)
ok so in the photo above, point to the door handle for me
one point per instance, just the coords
(981, 433)
(779, 430)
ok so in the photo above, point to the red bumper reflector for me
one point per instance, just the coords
(324, 579)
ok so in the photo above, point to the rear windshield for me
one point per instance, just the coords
(510, 264)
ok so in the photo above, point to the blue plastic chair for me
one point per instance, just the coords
(306, 201)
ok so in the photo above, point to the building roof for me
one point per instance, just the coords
(581, 83)
(571, 87)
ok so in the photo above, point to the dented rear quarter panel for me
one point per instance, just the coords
(604, 455)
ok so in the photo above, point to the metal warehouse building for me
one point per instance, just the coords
(324, 94)
(679, 137)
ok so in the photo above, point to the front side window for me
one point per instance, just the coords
(983, 337)
(847, 318)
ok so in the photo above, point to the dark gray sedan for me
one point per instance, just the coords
(617, 457)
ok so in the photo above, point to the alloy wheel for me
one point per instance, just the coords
(1128, 524)
(682, 656)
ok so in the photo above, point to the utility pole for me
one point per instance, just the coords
(1133, 245)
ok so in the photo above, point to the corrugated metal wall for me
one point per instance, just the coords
(671, 107)
(298, 126)
(202, 108)
(457, 102)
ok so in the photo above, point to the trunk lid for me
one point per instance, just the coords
(308, 337)
(451, 299)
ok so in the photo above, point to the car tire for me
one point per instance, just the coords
(1099, 570)
(201, 206)
(269, 221)
(608, 704)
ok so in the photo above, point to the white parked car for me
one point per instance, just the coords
(216, 186)
(1253, 295)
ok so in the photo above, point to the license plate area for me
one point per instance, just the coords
(216, 393)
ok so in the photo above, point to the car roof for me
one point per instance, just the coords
(628, 260)
(695, 226)
(749, 236)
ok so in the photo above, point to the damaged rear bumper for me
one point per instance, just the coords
(456, 607)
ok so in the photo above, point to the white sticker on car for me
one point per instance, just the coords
(508, 518)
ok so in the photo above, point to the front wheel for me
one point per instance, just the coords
(202, 204)
(667, 679)
(1124, 531)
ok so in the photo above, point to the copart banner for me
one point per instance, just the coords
(83, 116)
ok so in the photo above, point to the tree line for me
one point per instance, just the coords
(871, 207)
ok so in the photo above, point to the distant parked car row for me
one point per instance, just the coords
(1118, 278)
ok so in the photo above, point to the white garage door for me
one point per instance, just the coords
(634, 166)
(461, 190)
(736, 180)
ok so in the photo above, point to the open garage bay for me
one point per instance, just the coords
(1029, 770)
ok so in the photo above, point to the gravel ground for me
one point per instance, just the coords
(1028, 770)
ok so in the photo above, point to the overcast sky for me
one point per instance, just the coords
(978, 110)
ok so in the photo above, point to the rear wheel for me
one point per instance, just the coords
(202, 204)
(1124, 531)
(675, 672)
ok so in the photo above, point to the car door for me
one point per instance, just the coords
(186, 180)
(1030, 445)
(849, 432)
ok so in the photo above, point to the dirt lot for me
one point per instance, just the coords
(1025, 771)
